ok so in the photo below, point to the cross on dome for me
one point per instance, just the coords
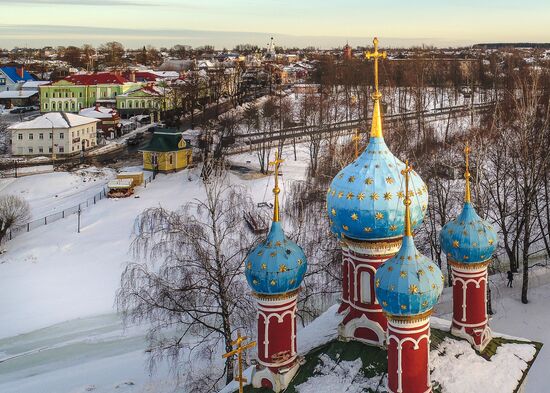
(276, 190)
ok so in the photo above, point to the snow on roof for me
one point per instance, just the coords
(11, 72)
(18, 93)
(98, 112)
(34, 84)
(55, 120)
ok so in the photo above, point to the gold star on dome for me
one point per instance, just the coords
(260, 253)
(413, 289)
(368, 229)
(403, 274)
(328, 191)
(361, 196)
(456, 244)
(389, 180)
(299, 261)
(420, 272)
(340, 194)
(425, 303)
(354, 217)
(433, 286)
(385, 303)
(278, 243)
(345, 227)
(379, 215)
(465, 257)
(424, 206)
(387, 196)
(431, 268)
(351, 179)
(377, 283)
(491, 241)
(291, 282)
(333, 211)
(393, 228)
(400, 194)
(374, 196)
(273, 254)
(474, 244)
(369, 180)
(255, 282)
(403, 307)
(350, 195)
(282, 268)
(249, 265)
(264, 266)
(273, 282)
(341, 175)
(333, 192)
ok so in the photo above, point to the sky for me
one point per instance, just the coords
(225, 23)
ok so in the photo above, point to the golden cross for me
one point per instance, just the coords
(467, 150)
(376, 55)
(238, 351)
(356, 138)
(276, 189)
(407, 202)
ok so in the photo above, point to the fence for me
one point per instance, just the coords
(91, 201)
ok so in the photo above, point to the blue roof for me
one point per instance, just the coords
(11, 72)
(468, 238)
(408, 283)
(277, 265)
(365, 199)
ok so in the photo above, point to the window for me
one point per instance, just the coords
(72, 105)
(80, 94)
(171, 159)
(78, 133)
(31, 136)
(61, 149)
(46, 95)
(66, 95)
(72, 134)
(366, 287)
(53, 105)
(51, 135)
(61, 135)
(49, 149)
(122, 104)
(40, 149)
(41, 136)
(20, 137)
(45, 105)
(31, 150)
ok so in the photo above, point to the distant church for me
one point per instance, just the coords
(382, 333)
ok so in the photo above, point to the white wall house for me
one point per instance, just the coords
(71, 134)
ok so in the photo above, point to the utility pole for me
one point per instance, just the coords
(79, 212)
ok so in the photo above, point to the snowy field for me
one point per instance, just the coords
(59, 332)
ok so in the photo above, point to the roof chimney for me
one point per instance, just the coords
(132, 76)
(21, 71)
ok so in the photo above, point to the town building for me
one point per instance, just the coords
(167, 151)
(147, 99)
(79, 91)
(57, 133)
(12, 78)
(109, 120)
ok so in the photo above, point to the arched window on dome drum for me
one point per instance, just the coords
(366, 295)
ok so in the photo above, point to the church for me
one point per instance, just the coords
(382, 336)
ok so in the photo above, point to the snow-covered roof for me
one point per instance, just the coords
(98, 112)
(55, 120)
(34, 84)
(18, 93)
(335, 366)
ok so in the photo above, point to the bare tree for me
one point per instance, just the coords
(14, 211)
(197, 292)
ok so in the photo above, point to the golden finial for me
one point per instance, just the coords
(376, 127)
(407, 201)
(276, 189)
(467, 150)
(356, 139)
(239, 351)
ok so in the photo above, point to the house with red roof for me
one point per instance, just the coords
(146, 99)
(78, 91)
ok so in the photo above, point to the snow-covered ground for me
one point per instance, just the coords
(59, 332)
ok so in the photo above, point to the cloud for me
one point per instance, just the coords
(81, 2)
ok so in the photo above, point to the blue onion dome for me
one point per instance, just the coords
(277, 265)
(364, 201)
(409, 283)
(468, 238)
